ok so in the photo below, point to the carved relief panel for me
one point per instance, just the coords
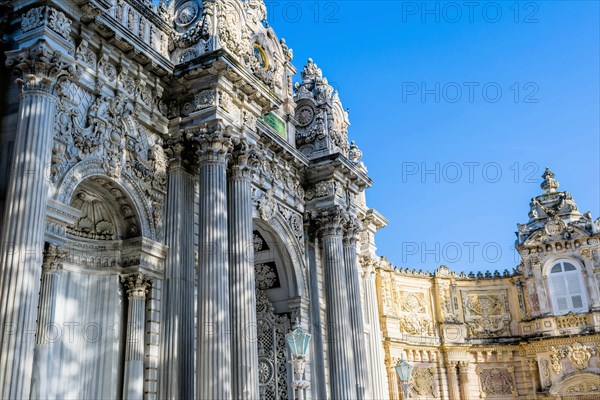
(487, 313)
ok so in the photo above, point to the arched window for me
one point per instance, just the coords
(566, 288)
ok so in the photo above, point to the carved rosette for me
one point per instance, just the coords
(39, 68)
(137, 284)
(214, 144)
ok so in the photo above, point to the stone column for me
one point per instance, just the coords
(24, 220)
(534, 375)
(244, 347)
(176, 375)
(377, 370)
(47, 332)
(213, 377)
(133, 382)
(453, 388)
(463, 378)
(393, 383)
(342, 377)
(355, 307)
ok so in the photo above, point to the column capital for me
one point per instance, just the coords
(214, 144)
(245, 158)
(39, 68)
(137, 284)
(463, 367)
(451, 366)
(352, 229)
(54, 255)
(331, 221)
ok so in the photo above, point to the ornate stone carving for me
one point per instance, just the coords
(137, 284)
(423, 382)
(39, 68)
(267, 206)
(586, 387)
(497, 381)
(85, 54)
(413, 302)
(59, 23)
(96, 220)
(295, 222)
(272, 349)
(414, 325)
(266, 276)
(214, 144)
(51, 17)
(331, 221)
(580, 355)
(54, 256)
(323, 123)
(202, 100)
(486, 314)
(32, 19)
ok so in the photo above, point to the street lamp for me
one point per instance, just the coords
(298, 340)
(404, 371)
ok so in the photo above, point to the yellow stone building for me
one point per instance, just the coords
(530, 334)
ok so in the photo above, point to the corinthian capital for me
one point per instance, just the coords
(54, 255)
(331, 222)
(137, 284)
(39, 68)
(245, 159)
(214, 143)
(352, 230)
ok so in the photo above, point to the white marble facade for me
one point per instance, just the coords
(171, 201)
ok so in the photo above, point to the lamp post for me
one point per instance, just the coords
(404, 371)
(298, 340)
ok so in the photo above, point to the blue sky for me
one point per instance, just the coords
(483, 97)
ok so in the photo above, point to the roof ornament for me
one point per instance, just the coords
(549, 184)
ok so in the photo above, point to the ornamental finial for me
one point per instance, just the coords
(549, 184)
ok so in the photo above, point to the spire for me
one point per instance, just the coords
(549, 184)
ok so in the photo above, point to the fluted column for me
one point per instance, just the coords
(393, 384)
(176, 376)
(25, 216)
(463, 378)
(47, 332)
(377, 370)
(213, 377)
(133, 382)
(453, 389)
(244, 347)
(341, 355)
(355, 306)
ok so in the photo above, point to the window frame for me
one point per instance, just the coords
(578, 272)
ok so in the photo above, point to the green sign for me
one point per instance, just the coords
(276, 123)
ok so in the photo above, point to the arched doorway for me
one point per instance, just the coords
(578, 386)
(277, 289)
(104, 244)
